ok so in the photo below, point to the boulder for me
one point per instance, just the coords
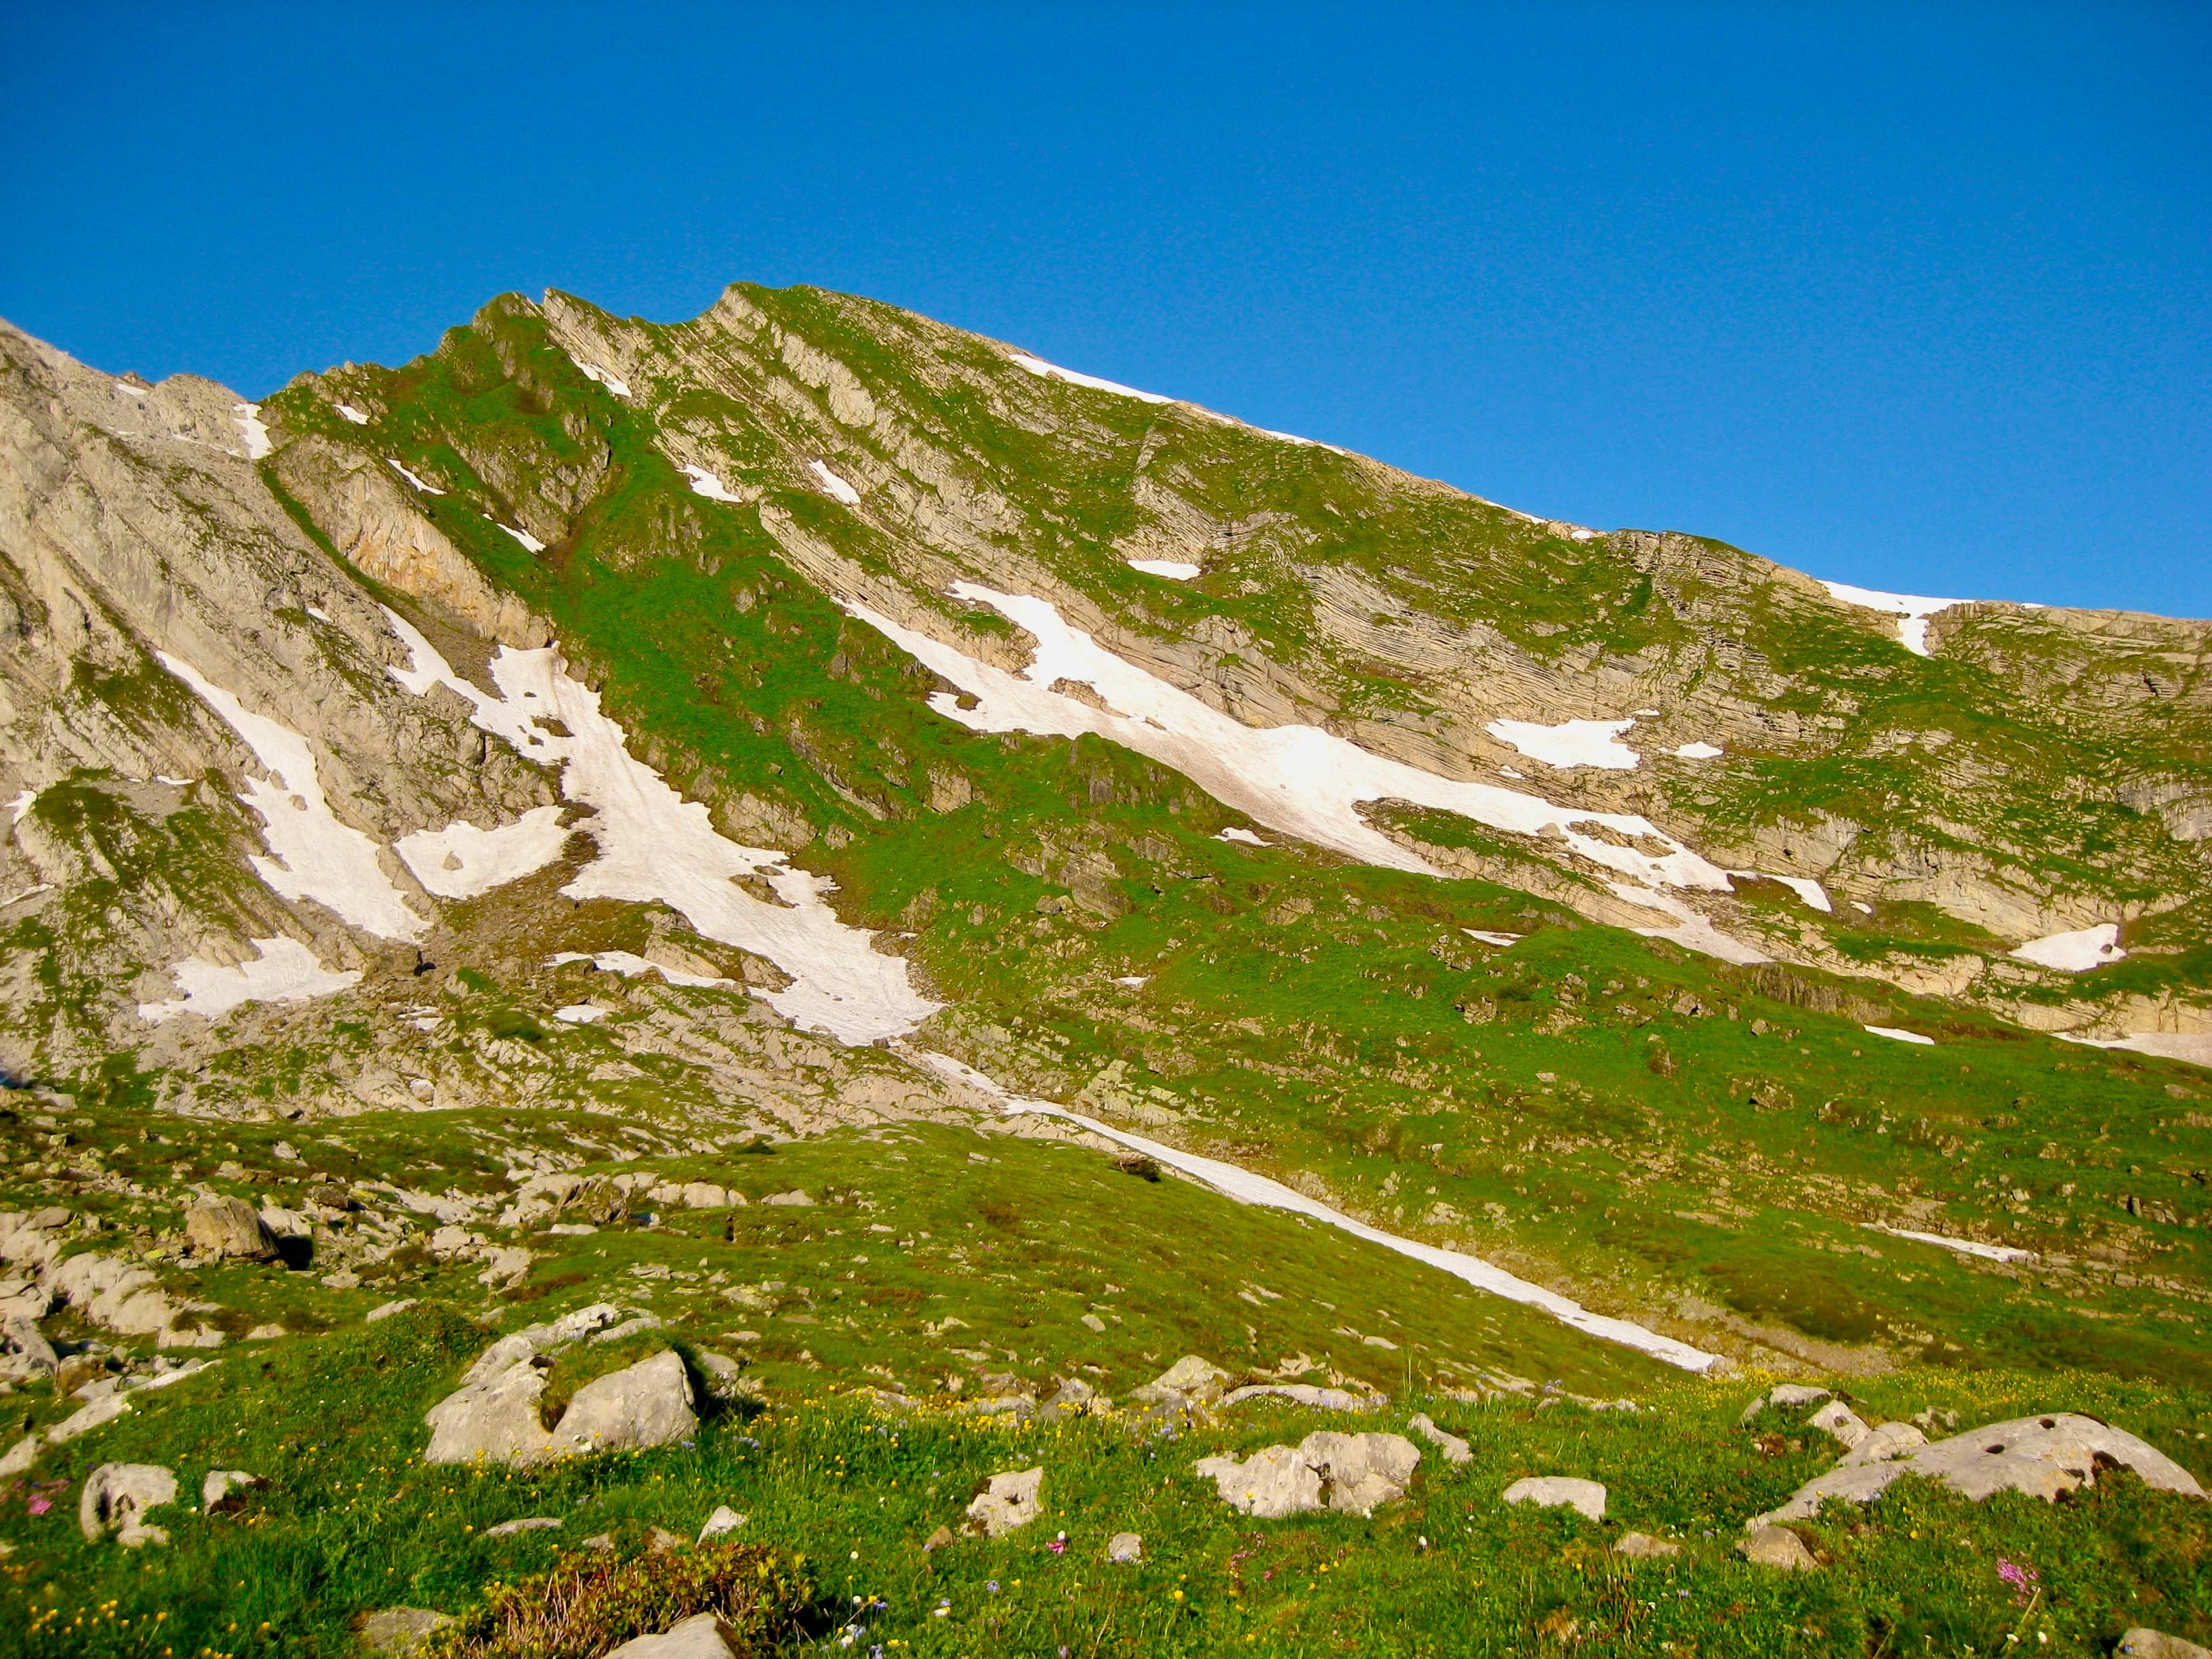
(1839, 1421)
(24, 1351)
(2042, 1456)
(2144, 1642)
(527, 1523)
(401, 1629)
(1559, 1492)
(1190, 1381)
(1784, 1395)
(702, 1636)
(116, 1498)
(495, 1418)
(1125, 1548)
(1885, 1442)
(387, 1310)
(227, 1227)
(1007, 1501)
(225, 1489)
(724, 1519)
(1456, 1450)
(1352, 1473)
(1642, 1547)
(647, 1404)
(798, 1196)
(1301, 1393)
(1777, 1547)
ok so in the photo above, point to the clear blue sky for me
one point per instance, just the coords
(1916, 298)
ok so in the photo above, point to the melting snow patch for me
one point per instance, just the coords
(1570, 743)
(314, 856)
(319, 613)
(620, 388)
(1045, 371)
(1237, 832)
(529, 542)
(1174, 570)
(1916, 610)
(1698, 751)
(1246, 1187)
(2075, 952)
(427, 489)
(581, 1013)
(629, 965)
(704, 482)
(1691, 930)
(1811, 891)
(461, 862)
(19, 808)
(1897, 1035)
(2194, 1047)
(1501, 940)
(250, 428)
(1134, 982)
(285, 971)
(655, 846)
(31, 891)
(837, 486)
(1963, 1246)
(1298, 780)
(353, 415)
(1507, 772)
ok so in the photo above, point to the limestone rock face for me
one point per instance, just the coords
(2043, 1457)
(116, 1498)
(1559, 1492)
(1007, 1501)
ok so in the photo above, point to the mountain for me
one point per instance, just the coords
(694, 817)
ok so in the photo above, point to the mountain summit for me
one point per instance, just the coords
(762, 826)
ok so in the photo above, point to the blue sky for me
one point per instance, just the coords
(1916, 298)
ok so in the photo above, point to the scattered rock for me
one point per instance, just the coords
(647, 1404)
(1302, 1393)
(1094, 1323)
(658, 1541)
(225, 1489)
(797, 1195)
(401, 1629)
(1007, 1501)
(1642, 1547)
(20, 1456)
(26, 1354)
(1351, 1473)
(1777, 1547)
(600, 1541)
(227, 1227)
(266, 1332)
(1456, 1450)
(1559, 1492)
(724, 1519)
(116, 1498)
(1888, 1441)
(1839, 1421)
(1125, 1548)
(942, 1539)
(1190, 1381)
(529, 1524)
(496, 1419)
(2043, 1457)
(2144, 1642)
(702, 1636)
(1786, 1394)
(387, 1310)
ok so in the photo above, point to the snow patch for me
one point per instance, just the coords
(1298, 780)
(1811, 891)
(1246, 1187)
(1963, 1246)
(2194, 1047)
(1045, 371)
(19, 808)
(1570, 743)
(837, 488)
(629, 965)
(593, 372)
(655, 846)
(284, 971)
(461, 862)
(2075, 952)
(319, 613)
(704, 482)
(1897, 1036)
(1698, 751)
(530, 542)
(581, 1013)
(313, 856)
(1485, 936)
(1915, 609)
(1691, 930)
(1237, 832)
(1134, 982)
(250, 428)
(353, 415)
(429, 488)
(1174, 570)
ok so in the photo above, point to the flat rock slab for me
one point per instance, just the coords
(1586, 1497)
(1351, 1473)
(1007, 1501)
(1191, 1380)
(2042, 1456)
(1456, 1450)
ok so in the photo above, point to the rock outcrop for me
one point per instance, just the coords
(116, 1498)
(1356, 1473)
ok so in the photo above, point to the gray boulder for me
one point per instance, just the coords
(1642, 1547)
(495, 1419)
(1839, 1421)
(227, 1227)
(1125, 1549)
(116, 1498)
(1777, 1547)
(1007, 1501)
(647, 1404)
(2144, 1642)
(527, 1523)
(1456, 1450)
(703, 1636)
(400, 1631)
(224, 1489)
(1300, 1393)
(1785, 1394)
(1350, 1472)
(724, 1519)
(1559, 1492)
(1190, 1381)
(2042, 1456)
